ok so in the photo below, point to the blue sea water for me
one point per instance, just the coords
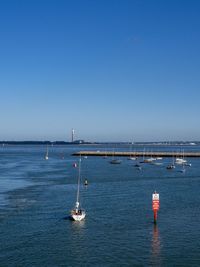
(36, 197)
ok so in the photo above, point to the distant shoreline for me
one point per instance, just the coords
(82, 142)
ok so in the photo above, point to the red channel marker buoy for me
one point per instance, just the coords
(155, 205)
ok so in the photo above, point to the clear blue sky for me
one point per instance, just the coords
(114, 70)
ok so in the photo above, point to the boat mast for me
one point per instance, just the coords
(47, 152)
(79, 176)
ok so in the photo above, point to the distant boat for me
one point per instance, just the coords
(86, 182)
(143, 158)
(149, 160)
(47, 154)
(181, 161)
(115, 161)
(78, 214)
(131, 157)
(105, 155)
(156, 163)
(170, 167)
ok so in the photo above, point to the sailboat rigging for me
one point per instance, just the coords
(172, 165)
(114, 160)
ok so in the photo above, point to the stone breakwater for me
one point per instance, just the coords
(137, 154)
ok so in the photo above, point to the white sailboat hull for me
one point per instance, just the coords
(78, 217)
(132, 158)
(181, 161)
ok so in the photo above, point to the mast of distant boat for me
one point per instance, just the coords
(47, 154)
(78, 189)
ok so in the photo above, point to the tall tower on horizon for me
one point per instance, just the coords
(73, 133)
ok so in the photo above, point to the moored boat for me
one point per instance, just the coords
(115, 161)
(170, 167)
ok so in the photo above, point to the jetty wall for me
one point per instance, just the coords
(136, 154)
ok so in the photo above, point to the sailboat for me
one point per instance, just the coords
(171, 166)
(47, 154)
(78, 214)
(181, 160)
(130, 152)
(114, 160)
(145, 160)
